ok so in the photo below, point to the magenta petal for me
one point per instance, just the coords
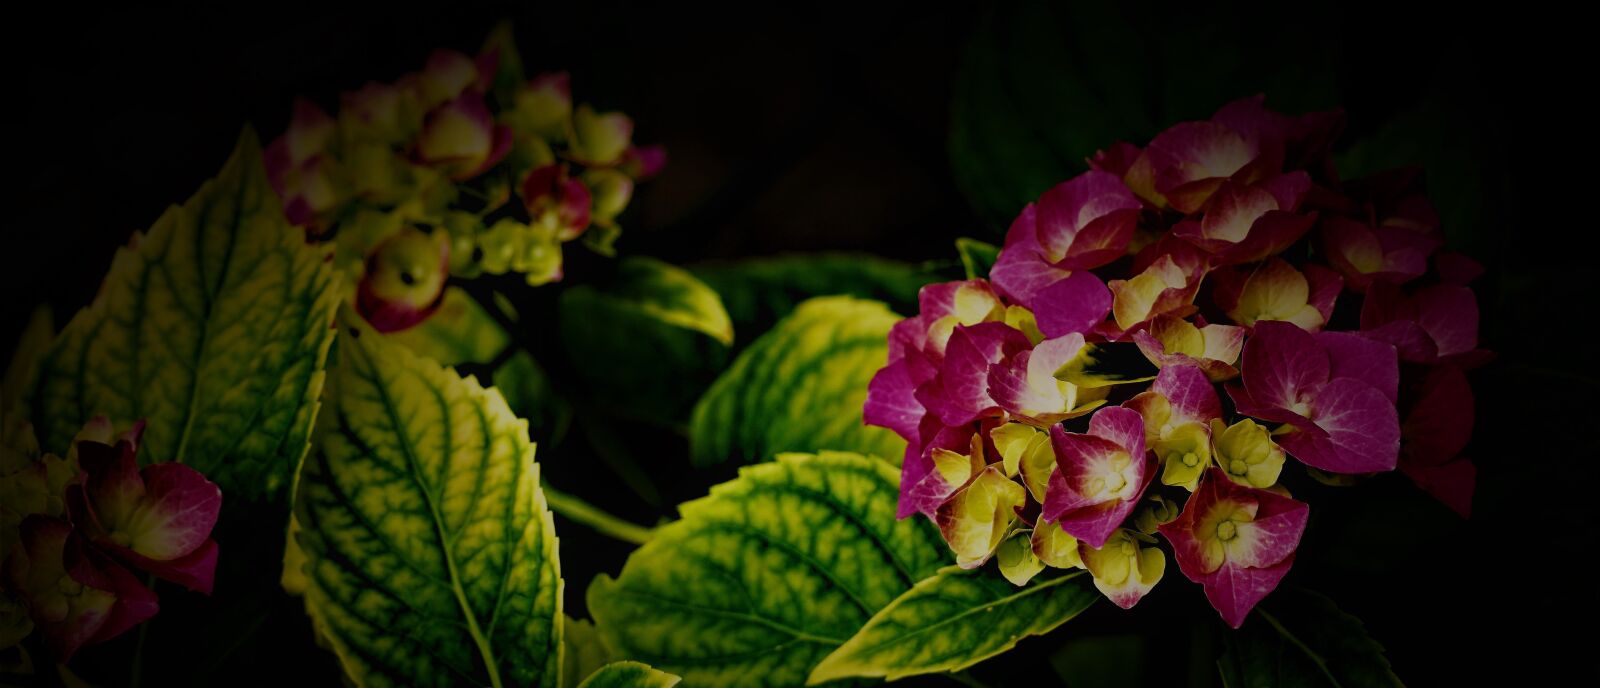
(1373, 362)
(1270, 235)
(1323, 286)
(1234, 591)
(195, 570)
(1021, 273)
(135, 603)
(1074, 304)
(1439, 423)
(1093, 525)
(921, 488)
(891, 401)
(180, 510)
(1362, 430)
(1189, 391)
(1282, 364)
(965, 372)
(1452, 483)
(1076, 455)
(1247, 405)
(1450, 315)
(1086, 221)
(1123, 426)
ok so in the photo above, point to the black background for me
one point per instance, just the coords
(824, 128)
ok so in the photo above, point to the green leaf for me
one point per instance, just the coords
(646, 343)
(769, 573)
(213, 328)
(583, 651)
(630, 675)
(528, 391)
(955, 620)
(977, 257)
(458, 332)
(759, 292)
(430, 556)
(800, 387)
(1303, 640)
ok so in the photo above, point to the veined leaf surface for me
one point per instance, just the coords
(954, 620)
(213, 328)
(800, 387)
(629, 675)
(430, 555)
(769, 573)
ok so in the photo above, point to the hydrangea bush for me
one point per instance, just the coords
(1158, 334)
(365, 332)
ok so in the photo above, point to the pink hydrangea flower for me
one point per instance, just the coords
(1436, 428)
(1236, 541)
(158, 518)
(1100, 475)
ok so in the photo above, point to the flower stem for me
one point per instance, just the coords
(579, 511)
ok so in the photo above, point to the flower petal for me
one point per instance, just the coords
(1452, 483)
(963, 393)
(1189, 392)
(1282, 365)
(1074, 304)
(1352, 355)
(1361, 430)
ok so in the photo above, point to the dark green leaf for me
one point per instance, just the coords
(1300, 638)
(760, 291)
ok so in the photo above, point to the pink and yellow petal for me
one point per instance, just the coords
(1074, 304)
(976, 518)
(1055, 547)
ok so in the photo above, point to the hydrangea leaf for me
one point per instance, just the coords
(1304, 639)
(759, 292)
(583, 652)
(646, 343)
(629, 675)
(214, 328)
(977, 257)
(800, 387)
(954, 620)
(769, 573)
(429, 553)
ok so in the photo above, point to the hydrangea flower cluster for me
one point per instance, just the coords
(1059, 419)
(75, 532)
(460, 169)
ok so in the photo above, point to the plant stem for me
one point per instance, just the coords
(579, 511)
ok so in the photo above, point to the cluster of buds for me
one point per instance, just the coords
(74, 531)
(1056, 419)
(450, 151)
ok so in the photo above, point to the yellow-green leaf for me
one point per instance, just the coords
(954, 620)
(583, 651)
(25, 358)
(800, 387)
(430, 555)
(769, 573)
(629, 675)
(213, 327)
